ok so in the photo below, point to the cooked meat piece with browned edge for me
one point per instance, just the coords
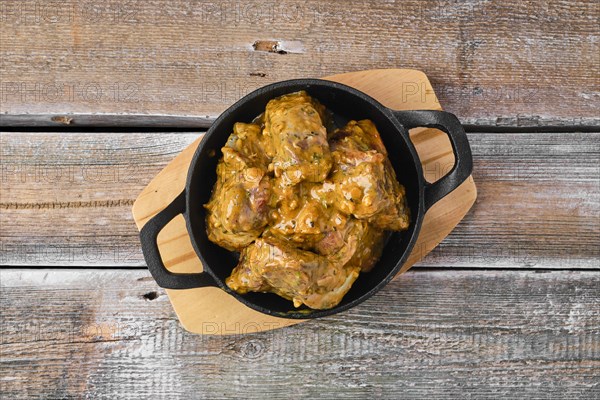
(302, 214)
(248, 140)
(365, 181)
(238, 210)
(356, 244)
(295, 125)
(270, 265)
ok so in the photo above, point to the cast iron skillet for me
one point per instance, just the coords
(346, 103)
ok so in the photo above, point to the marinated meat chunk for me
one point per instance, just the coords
(270, 265)
(365, 181)
(238, 214)
(360, 136)
(369, 249)
(302, 214)
(238, 209)
(299, 138)
(250, 143)
(356, 244)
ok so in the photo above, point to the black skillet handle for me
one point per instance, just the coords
(463, 165)
(148, 235)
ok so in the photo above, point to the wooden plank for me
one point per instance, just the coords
(499, 63)
(482, 334)
(66, 199)
(538, 204)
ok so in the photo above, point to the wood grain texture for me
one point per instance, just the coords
(487, 334)
(157, 63)
(66, 199)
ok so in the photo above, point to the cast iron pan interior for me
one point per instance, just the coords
(345, 107)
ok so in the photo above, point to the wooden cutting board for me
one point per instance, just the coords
(210, 310)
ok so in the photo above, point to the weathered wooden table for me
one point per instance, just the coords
(97, 97)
